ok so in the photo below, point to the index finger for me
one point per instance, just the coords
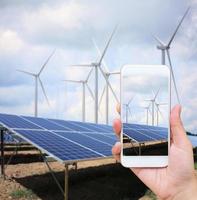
(117, 127)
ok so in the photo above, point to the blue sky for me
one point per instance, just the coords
(30, 30)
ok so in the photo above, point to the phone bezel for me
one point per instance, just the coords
(145, 161)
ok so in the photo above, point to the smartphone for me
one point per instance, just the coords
(145, 108)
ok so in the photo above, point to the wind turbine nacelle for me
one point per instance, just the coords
(94, 64)
(161, 47)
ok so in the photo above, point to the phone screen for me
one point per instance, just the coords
(145, 110)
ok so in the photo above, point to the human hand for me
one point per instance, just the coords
(176, 181)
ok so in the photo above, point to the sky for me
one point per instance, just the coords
(31, 30)
(140, 85)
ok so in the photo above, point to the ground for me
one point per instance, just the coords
(27, 177)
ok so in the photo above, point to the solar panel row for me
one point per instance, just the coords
(71, 141)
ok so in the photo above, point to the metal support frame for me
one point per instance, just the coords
(2, 155)
(52, 174)
(65, 190)
(140, 149)
(13, 154)
(66, 183)
(75, 165)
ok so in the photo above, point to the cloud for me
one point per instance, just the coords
(35, 28)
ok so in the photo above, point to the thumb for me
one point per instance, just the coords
(178, 134)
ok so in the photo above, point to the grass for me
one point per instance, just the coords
(22, 193)
(151, 195)
(195, 165)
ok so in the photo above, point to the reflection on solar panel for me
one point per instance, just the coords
(11, 138)
(64, 140)
(193, 140)
(145, 133)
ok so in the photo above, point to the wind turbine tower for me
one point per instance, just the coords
(84, 85)
(165, 49)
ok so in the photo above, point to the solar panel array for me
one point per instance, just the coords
(144, 133)
(72, 141)
(64, 140)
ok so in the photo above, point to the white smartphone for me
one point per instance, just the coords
(145, 108)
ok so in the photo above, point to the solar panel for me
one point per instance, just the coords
(64, 140)
(144, 133)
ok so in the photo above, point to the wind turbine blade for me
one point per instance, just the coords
(129, 111)
(43, 66)
(90, 91)
(89, 74)
(102, 96)
(43, 90)
(177, 28)
(81, 65)
(163, 104)
(108, 43)
(25, 72)
(114, 94)
(99, 52)
(130, 100)
(158, 40)
(114, 73)
(160, 113)
(73, 81)
(172, 73)
(157, 94)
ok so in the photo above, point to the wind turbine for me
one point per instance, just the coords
(165, 49)
(84, 85)
(153, 105)
(158, 110)
(38, 80)
(97, 66)
(127, 108)
(106, 88)
(147, 109)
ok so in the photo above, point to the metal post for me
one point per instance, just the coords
(66, 183)
(163, 57)
(96, 94)
(36, 96)
(107, 102)
(140, 150)
(83, 102)
(2, 155)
